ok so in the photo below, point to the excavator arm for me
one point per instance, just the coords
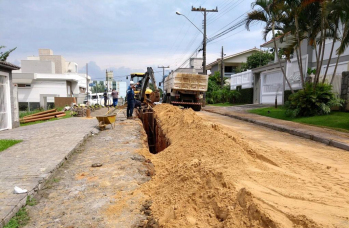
(155, 95)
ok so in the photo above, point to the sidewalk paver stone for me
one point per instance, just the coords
(28, 164)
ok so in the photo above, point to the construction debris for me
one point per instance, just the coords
(45, 115)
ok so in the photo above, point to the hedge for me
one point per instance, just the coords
(246, 96)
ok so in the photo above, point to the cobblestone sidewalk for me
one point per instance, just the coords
(28, 164)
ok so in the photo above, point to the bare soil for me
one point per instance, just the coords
(97, 186)
(214, 176)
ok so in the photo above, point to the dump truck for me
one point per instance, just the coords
(185, 90)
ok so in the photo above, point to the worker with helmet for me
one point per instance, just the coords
(130, 95)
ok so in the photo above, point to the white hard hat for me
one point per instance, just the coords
(132, 83)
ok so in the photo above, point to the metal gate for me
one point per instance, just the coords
(272, 86)
(4, 113)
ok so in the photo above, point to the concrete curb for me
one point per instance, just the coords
(42, 181)
(292, 131)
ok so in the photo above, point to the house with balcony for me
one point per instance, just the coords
(231, 62)
(46, 76)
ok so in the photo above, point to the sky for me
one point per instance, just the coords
(123, 35)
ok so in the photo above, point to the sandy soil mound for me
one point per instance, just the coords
(211, 178)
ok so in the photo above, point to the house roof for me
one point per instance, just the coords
(288, 39)
(232, 56)
(9, 65)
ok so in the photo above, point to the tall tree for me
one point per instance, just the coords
(268, 12)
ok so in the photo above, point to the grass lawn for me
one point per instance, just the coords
(6, 143)
(335, 120)
(67, 115)
(223, 104)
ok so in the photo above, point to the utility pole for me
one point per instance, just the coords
(87, 81)
(163, 74)
(106, 75)
(200, 9)
(222, 68)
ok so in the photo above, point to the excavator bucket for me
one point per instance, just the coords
(155, 96)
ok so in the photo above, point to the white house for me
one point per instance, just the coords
(231, 62)
(268, 82)
(195, 66)
(8, 97)
(47, 76)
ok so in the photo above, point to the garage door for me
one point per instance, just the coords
(272, 86)
(4, 118)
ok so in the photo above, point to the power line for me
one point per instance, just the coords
(226, 11)
(230, 29)
(224, 5)
(232, 21)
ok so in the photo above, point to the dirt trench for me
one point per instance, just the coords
(208, 177)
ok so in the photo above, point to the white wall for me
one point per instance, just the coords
(271, 87)
(293, 73)
(5, 102)
(33, 58)
(37, 66)
(71, 67)
(32, 94)
(121, 88)
(196, 63)
(243, 79)
(328, 47)
(239, 58)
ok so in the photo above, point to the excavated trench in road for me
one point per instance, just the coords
(157, 140)
(207, 177)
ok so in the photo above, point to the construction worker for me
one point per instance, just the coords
(105, 95)
(115, 96)
(130, 95)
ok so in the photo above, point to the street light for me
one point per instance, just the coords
(178, 13)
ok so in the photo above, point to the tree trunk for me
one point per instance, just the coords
(300, 62)
(329, 60)
(322, 57)
(275, 47)
(335, 69)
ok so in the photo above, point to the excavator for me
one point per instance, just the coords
(143, 93)
(147, 97)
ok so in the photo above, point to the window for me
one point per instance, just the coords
(24, 85)
(228, 69)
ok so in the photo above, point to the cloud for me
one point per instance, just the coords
(124, 35)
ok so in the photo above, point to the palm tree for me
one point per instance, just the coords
(293, 14)
(269, 12)
(340, 8)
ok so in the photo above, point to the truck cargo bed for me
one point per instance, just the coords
(183, 81)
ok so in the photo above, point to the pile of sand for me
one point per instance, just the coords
(210, 178)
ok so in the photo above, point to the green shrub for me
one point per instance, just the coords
(312, 101)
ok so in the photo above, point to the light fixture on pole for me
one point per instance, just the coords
(178, 13)
(203, 33)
